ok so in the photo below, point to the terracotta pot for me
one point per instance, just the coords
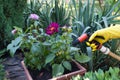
(67, 76)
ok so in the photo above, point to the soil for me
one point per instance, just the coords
(47, 74)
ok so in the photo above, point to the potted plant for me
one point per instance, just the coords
(48, 49)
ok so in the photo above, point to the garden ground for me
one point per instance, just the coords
(13, 68)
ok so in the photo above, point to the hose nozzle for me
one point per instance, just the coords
(80, 39)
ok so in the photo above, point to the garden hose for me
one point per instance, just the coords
(107, 51)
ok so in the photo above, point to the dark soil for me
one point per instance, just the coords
(40, 75)
(46, 74)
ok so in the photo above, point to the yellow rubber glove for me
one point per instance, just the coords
(112, 32)
(92, 45)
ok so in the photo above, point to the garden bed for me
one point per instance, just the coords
(47, 74)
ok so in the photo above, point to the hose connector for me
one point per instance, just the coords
(104, 50)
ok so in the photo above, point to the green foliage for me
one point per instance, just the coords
(60, 13)
(85, 14)
(111, 74)
(82, 59)
(109, 13)
(58, 69)
(67, 65)
(2, 71)
(111, 3)
(2, 52)
(78, 77)
(11, 13)
(15, 44)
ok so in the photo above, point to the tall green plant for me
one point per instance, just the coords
(84, 18)
(84, 15)
(50, 11)
(108, 13)
(60, 13)
(55, 11)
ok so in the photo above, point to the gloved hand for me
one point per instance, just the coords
(104, 35)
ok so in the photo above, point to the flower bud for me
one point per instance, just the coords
(64, 28)
(69, 29)
(14, 31)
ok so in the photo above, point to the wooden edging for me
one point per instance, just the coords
(81, 71)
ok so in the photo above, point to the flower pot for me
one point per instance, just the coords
(81, 70)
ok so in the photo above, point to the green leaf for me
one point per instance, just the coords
(80, 23)
(67, 65)
(33, 60)
(14, 45)
(105, 21)
(89, 54)
(113, 8)
(2, 52)
(114, 70)
(99, 74)
(39, 67)
(49, 58)
(72, 49)
(82, 58)
(36, 23)
(36, 48)
(57, 69)
(18, 29)
(46, 43)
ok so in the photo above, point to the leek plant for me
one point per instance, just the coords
(49, 11)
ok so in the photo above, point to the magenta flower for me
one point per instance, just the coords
(14, 31)
(52, 28)
(34, 16)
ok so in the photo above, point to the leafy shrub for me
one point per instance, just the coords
(2, 72)
(11, 13)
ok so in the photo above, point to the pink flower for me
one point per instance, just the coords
(34, 16)
(52, 28)
(14, 31)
